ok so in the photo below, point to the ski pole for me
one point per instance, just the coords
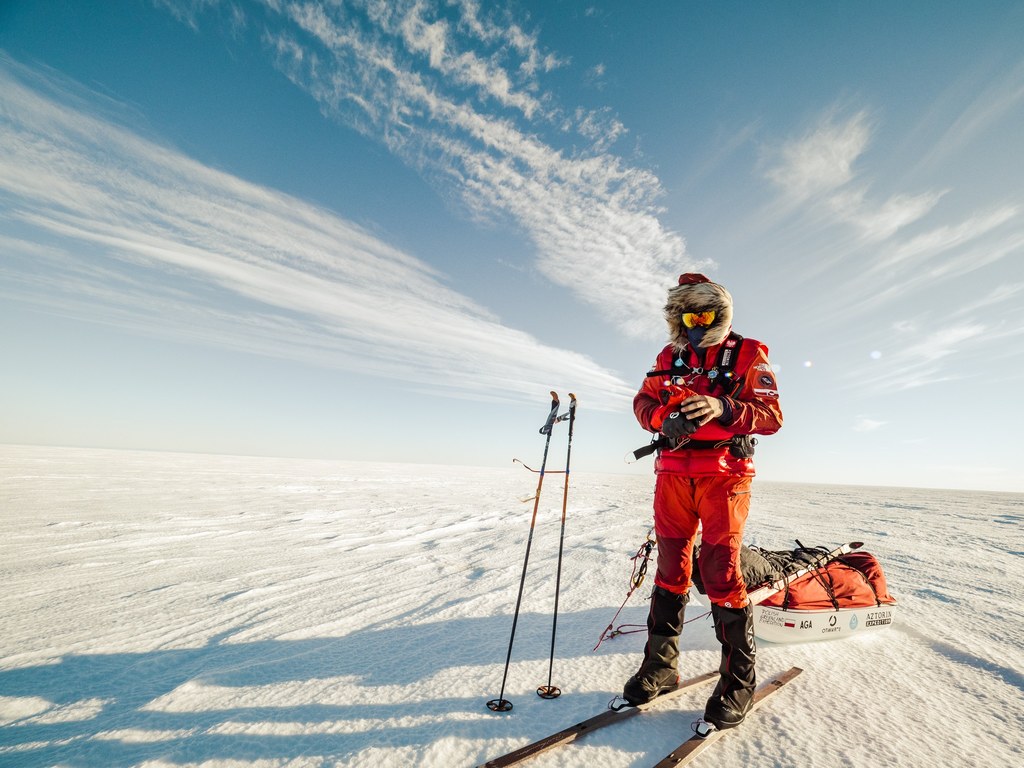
(550, 691)
(501, 704)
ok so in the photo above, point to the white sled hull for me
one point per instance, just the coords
(797, 626)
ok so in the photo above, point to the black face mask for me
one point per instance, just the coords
(695, 336)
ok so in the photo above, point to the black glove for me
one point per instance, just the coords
(677, 426)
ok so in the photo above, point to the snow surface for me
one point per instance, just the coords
(171, 610)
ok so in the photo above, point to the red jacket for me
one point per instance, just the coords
(750, 399)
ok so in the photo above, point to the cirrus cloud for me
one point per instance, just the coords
(103, 224)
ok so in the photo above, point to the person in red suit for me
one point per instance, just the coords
(709, 392)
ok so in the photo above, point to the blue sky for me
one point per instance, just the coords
(384, 230)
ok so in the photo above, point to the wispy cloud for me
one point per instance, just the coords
(457, 92)
(105, 224)
(969, 340)
(819, 168)
(920, 361)
(945, 253)
(822, 159)
(1002, 93)
(882, 221)
(945, 238)
(432, 38)
(903, 249)
(865, 424)
(887, 265)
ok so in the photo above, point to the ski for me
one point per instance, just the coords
(607, 717)
(696, 744)
(763, 593)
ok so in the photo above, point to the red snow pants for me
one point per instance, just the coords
(718, 505)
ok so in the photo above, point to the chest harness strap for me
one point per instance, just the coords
(720, 376)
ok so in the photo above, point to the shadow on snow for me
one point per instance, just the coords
(126, 683)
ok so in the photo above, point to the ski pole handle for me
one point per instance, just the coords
(553, 416)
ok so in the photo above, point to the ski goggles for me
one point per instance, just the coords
(699, 319)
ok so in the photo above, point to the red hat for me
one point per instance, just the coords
(692, 278)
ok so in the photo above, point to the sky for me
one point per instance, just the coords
(386, 230)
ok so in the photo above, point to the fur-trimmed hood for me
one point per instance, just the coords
(695, 293)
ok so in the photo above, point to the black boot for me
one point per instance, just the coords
(659, 671)
(734, 694)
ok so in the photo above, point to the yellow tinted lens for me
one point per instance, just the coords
(695, 319)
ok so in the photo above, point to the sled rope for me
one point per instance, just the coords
(633, 629)
(824, 577)
(860, 572)
(640, 562)
(817, 556)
